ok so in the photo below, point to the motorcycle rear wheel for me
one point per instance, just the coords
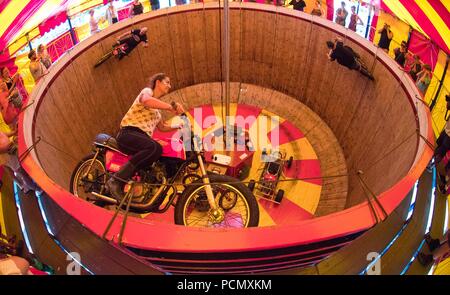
(190, 208)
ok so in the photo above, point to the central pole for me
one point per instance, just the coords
(226, 56)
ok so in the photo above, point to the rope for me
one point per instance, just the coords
(366, 187)
(28, 150)
(60, 150)
(391, 151)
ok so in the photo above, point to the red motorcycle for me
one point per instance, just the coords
(212, 200)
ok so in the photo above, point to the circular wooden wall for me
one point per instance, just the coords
(373, 122)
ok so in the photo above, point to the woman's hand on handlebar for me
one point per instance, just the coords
(177, 108)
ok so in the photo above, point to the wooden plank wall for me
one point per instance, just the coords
(373, 122)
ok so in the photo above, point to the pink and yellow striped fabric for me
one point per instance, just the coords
(431, 17)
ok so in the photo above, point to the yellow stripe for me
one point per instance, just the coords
(3, 128)
(446, 3)
(10, 13)
(264, 218)
(46, 9)
(402, 13)
(437, 21)
(300, 149)
(304, 194)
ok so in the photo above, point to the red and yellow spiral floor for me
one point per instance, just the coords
(301, 196)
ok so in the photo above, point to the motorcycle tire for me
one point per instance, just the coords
(195, 195)
(103, 59)
(77, 173)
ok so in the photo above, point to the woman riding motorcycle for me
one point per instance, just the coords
(136, 130)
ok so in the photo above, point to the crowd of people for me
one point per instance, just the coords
(112, 16)
(419, 71)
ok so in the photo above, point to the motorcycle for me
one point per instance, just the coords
(118, 51)
(209, 200)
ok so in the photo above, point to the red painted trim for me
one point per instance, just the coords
(343, 223)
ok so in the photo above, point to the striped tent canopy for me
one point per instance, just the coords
(20, 16)
(431, 17)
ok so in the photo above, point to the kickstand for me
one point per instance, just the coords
(127, 198)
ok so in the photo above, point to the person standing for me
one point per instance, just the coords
(385, 38)
(43, 55)
(415, 67)
(424, 78)
(154, 4)
(93, 22)
(318, 10)
(354, 20)
(341, 14)
(37, 69)
(400, 54)
(136, 8)
(111, 13)
(298, 4)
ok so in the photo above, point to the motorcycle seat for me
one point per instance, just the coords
(106, 140)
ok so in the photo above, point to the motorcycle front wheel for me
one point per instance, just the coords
(236, 201)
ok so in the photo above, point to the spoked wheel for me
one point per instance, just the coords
(84, 181)
(103, 59)
(237, 207)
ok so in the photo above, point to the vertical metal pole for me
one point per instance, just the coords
(226, 55)
(368, 24)
(72, 32)
(27, 35)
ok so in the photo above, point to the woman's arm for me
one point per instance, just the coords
(360, 21)
(155, 103)
(390, 34)
(164, 126)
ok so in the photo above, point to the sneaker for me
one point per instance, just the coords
(425, 259)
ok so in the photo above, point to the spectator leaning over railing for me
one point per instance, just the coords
(341, 14)
(400, 54)
(154, 4)
(415, 66)
(43, 55)
(424, 78)
(37, 69)
(385, 38)
(298, 4)
(11, 84)
(136, 8)
(318, 10)
(8, 110)
(111, 13)
(354, 20)
(93, 22)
